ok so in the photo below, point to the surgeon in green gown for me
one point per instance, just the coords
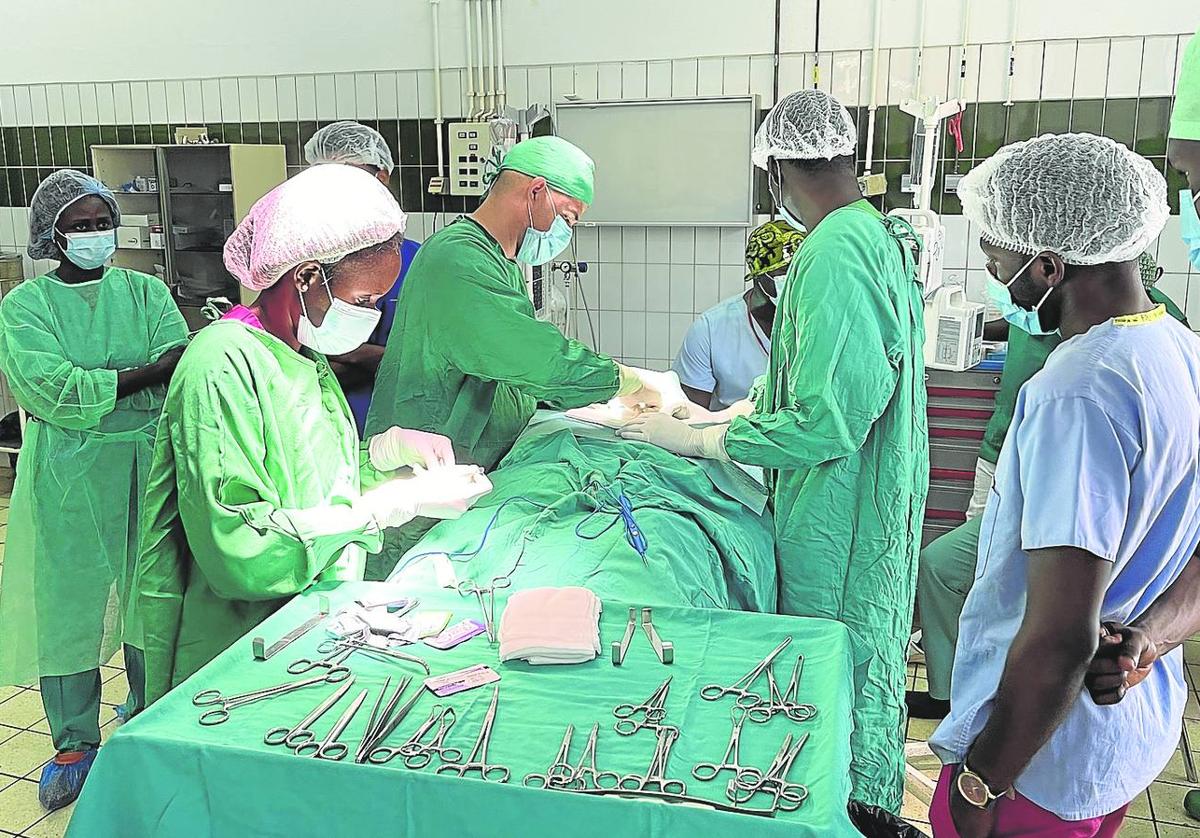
(87, 351)
(257, 485)
(466, 356)
(840, 420)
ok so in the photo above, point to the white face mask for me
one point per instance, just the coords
(345, 327)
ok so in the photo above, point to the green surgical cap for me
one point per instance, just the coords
(564, 166)
(1185, 117)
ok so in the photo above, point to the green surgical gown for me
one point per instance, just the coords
(250, 498)
(467, 358)
(66, 601)
(841, 428)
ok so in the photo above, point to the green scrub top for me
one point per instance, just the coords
(467, 358)
(66, 601)
(1026, 355)
(841, 425)
(250, 498)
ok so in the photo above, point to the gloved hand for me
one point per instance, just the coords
(635, 392)
(399, 447)
(677, 436)
(391, 504)
(446, 493)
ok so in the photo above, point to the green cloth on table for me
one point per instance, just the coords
(467, 358)
(66, 603)
(224, 781)
(841, 427)
(250, 497)
(1185, 115)
(705, 548)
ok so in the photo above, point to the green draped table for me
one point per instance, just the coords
(164, 774)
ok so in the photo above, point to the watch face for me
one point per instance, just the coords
(972, 789)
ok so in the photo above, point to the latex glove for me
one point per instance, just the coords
(677, 436)
(399, 447)
(446, 493)
(391, 504)
(635, 392)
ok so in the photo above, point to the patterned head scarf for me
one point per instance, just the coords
(771, 247)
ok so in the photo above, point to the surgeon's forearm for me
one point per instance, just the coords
(135, 380)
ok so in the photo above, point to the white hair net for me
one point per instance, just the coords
(805, 125)
(322, 214)
(1088, 199)
(349, 142)
(53, 195)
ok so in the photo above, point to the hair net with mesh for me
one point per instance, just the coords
(805, 125)
(53, 195)
(322, 214)
(349, 142)
(1088, 199)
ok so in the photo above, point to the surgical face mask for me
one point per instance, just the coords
(1189, 222)
(1001, 296)
(775, 183)
(540, 246)
(774, 288)
(90, 250)
(344, 329)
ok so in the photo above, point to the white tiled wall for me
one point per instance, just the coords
(645, 284)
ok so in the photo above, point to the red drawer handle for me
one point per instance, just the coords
(959, 413)
(945, 515)
(957, 433)
(952, 474)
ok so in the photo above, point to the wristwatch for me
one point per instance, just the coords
(974, 789)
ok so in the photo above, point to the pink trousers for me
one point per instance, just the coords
(1021, 817)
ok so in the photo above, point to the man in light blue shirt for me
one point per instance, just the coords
(729, 345)
(1095, 510)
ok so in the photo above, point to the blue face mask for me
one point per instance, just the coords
(775, 186)
(90, 250)
(1189, 223)
(540, 246)
(1001, 297)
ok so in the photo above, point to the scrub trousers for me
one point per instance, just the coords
(72, 702)
(945, 574)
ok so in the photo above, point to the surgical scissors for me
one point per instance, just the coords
(329, 747)
(653, 711)
(732, 760)
(205, 698)
(655, 778)
(302, 732)
(559, 774)
(786, 797)
(741, 687)
(416, 754)
(785, 702)
(468, 586)
(477, 760)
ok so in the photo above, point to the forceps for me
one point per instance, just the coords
(488, 610)
(732, 759)
(302, 732)
(559, 774)
(220, 714)
(416, 754)
(655, 778)
(330, 748)
(585, 769)
(653, 711)
(350, 645)
(477, 760)
(741, 687)
(785, 702)
(786, 796)
(335, 660)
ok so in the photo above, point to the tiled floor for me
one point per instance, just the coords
(25, 747)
